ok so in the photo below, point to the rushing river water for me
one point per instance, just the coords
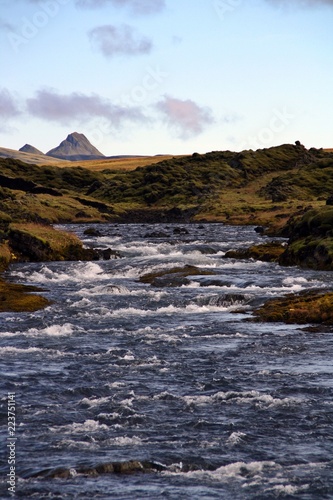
(117, 370)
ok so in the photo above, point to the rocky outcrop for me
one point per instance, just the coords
(267, 252)
(311, 240)
(306, 307)
(75, 147)
(18, 298)
(177, 276)
(126, 468)
(30, 248)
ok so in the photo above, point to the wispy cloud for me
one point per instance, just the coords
(8, 106)
(115, 40)
(301, 3)
(52, 106)
(5, 25)
(8, 110)
(187, 117)
(136, 6)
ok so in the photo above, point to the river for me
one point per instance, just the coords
(178, 376)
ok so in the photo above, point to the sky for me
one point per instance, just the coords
(154, 77)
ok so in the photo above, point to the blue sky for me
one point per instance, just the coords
(166, 76)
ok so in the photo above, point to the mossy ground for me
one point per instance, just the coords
(251, 187)
(28, 241)
(18, 298)
(306, 307)
(267, 252)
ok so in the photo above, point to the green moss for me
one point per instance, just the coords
(267, 252)
(306, 307)
(18, 298)
(5, 256)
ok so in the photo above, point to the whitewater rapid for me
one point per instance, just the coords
(180, 376)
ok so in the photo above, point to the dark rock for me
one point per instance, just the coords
(107, 254)
(30, 248)
(259, 229)
(329, 200)
(81, 214)
(101, 207)
(180, 230)
(267, 252)
(157, 234)
(173, 277)
(91, 231)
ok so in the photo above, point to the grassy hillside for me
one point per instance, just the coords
(259, 187)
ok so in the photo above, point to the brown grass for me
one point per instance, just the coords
(114, 164)
(58, 240)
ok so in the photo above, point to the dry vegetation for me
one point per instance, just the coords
(115, 164)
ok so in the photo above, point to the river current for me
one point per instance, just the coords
(118, 370)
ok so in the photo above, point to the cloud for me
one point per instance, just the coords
(301, 3)
(8, 110)
(187, 117)
(52, 106)
(5, 25)
(136, 6)
(112, 40)
(8, 106)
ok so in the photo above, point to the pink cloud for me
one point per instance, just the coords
(187, 117)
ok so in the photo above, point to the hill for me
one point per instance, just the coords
(75, 147)
(259, 187)
(27, 148)
(37, 159)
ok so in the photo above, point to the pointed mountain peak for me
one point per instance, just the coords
(27, 148)
(75, 147)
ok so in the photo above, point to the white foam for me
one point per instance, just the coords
(53, 330)
(94, 402)
(125, 441)
(288, 489)
(253, 397)
(105, 290)
(167, 310)
(78, 272)
(79, 428)
(231, 471)
(18, 350)
(236, 438)
(71, 444)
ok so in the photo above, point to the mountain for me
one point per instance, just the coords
(27, 148)
(36, 159)
(76, 147)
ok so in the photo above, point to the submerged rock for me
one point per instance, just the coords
(126, 468)
(176, 276)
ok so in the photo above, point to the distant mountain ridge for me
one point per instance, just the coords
(27, 148)
(75, 147)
